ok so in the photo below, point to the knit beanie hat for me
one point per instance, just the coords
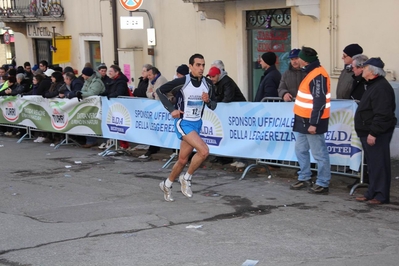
(88, 71)
(269, 58)
(353, 49)
(182, 69)
(307, 58)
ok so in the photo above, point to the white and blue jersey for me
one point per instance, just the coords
(188, 98)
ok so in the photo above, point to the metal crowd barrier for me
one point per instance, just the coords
(335, 169)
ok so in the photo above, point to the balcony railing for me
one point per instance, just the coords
(31, 8)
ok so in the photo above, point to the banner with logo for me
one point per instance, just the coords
(53, 115)
(245, 129)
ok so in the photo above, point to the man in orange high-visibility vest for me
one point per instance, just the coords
(312, 111)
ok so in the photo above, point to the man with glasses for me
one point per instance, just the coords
(345, 80)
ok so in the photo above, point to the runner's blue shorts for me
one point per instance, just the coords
(184, 127)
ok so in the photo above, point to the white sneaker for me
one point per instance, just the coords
(167, 192)
(234, 164)
(185, 186)
(240, 165)
(109, 144)
(40, 139)
(102, 146)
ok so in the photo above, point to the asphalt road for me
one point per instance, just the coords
(71, 206)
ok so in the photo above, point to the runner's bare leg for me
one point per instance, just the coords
(189, 142)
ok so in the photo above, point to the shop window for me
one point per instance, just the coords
(43, 50)
(95, 53)
(268, 31)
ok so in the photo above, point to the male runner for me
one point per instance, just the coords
(191, 92)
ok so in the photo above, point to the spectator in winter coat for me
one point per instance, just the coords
(141, 90)
(72, 86)
(226, 89)
(291, 78)
(102, 69)
(46, 83)
(22, 86)
(57, 81)
(345, 80)
(375, 122)
(9, 86)
(118, 85)
(37, 79)
(271, 78)
(155, 81)
(358, 85)
(92, 85)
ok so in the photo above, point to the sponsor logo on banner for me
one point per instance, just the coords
(59, 120)
(339, 138)
(10, 112)
(118, 119)
(212, 129)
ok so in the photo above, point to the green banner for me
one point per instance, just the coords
(53, 115)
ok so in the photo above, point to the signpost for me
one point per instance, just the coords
(131, 5)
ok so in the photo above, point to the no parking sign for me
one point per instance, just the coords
(7, 37)
(131, 5)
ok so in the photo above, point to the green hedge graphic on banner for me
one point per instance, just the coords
(53, 115)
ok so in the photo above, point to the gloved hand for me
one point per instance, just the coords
(79, 95)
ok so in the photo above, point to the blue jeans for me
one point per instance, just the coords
(317, 145)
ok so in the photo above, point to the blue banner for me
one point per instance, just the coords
(241, 129)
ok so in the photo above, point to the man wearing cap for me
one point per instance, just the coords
(92, 86)
(312, 112)
(345, 80)
(92, 83)
(271, 78)
(45, 85)
(226, 89)
(291, 78)
(374, 124)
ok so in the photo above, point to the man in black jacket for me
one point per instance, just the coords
(102, 69)
(374, 124)
(226, 89)
(271, 78)
(118, 84)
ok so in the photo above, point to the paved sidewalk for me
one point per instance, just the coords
(72, 207)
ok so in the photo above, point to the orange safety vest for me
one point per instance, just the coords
(304, 99)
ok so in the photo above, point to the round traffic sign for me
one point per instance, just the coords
(6, 37)
(131, 5)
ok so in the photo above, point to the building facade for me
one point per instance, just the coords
(234, 31)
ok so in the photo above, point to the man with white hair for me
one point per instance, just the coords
(374, 124)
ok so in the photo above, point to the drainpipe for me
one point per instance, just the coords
(115, 29)
(151, 26)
